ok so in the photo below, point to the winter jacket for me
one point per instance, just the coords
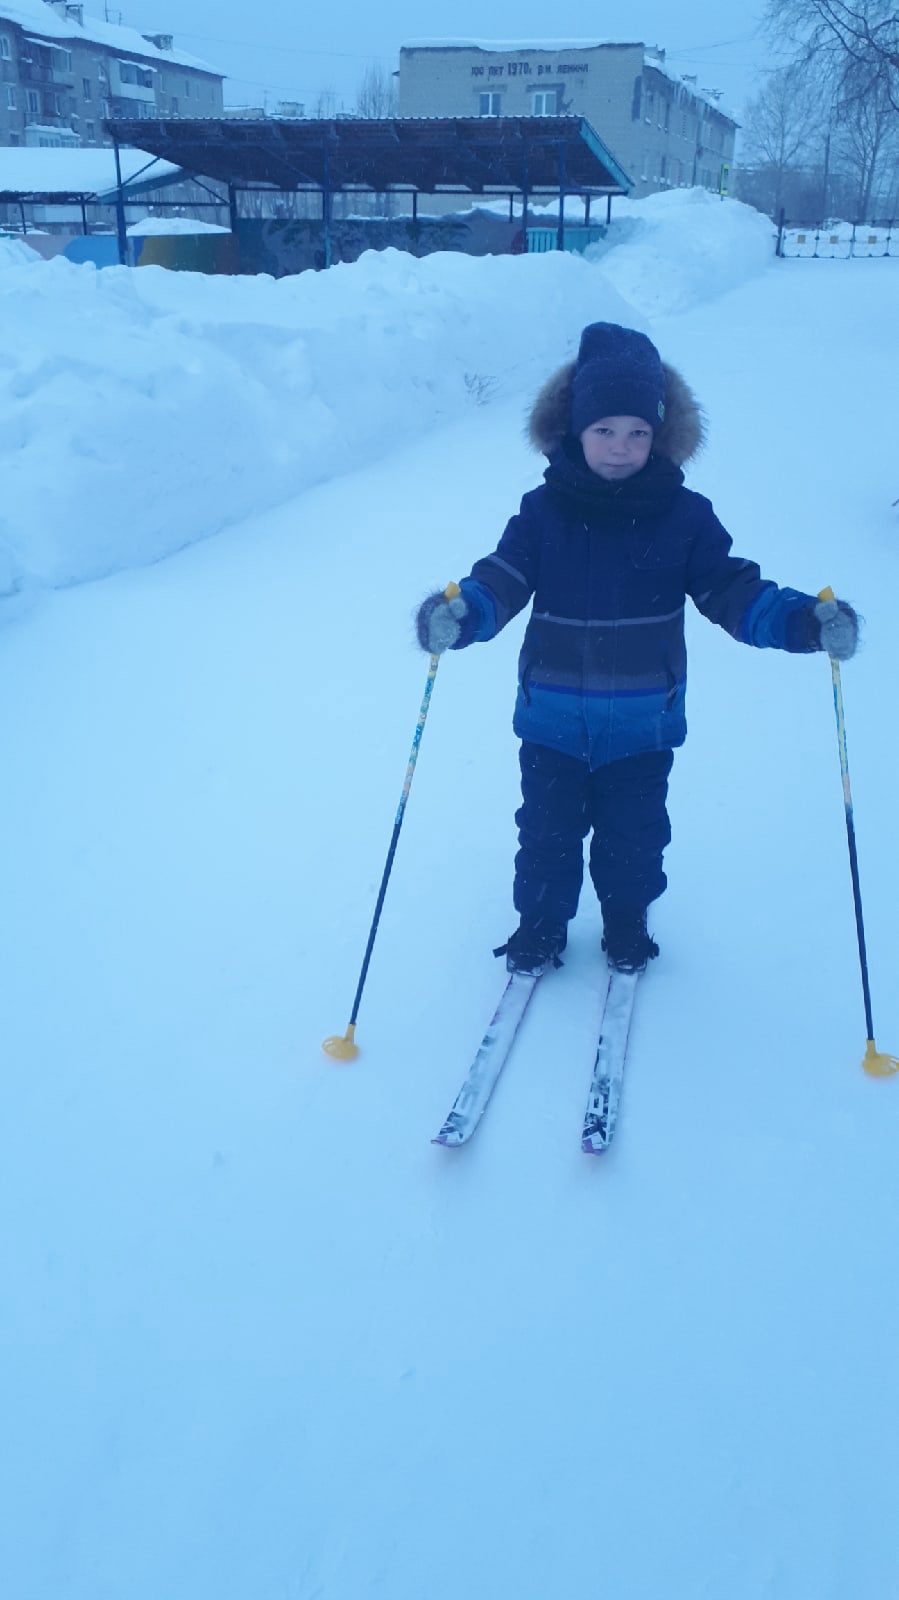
(603, 668)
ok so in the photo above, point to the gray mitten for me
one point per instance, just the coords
(838, 626)
(439, 622)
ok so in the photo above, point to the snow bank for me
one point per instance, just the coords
(673, 251)
(13, 252)
(141, 411)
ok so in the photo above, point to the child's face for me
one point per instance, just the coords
(617, 447)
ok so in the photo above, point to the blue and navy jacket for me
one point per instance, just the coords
(603, 669)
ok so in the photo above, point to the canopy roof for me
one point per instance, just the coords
(57, 177)
(480, 154)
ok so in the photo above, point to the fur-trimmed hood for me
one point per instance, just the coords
(680, 438)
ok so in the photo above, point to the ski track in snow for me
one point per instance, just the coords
(260, 1337)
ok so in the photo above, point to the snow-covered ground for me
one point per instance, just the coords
(260, 1338)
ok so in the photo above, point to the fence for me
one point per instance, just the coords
(575, 238)
(837, 241)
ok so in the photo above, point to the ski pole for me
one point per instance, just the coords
(343, 1047)
(875, 1062)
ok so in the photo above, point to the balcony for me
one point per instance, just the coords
(128, 81)
(31, 73)
(45, 63)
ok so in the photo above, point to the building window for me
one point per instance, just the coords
(635, 103)
(174, 105)
(187, 88)
(10, 97)
(86, 88)
(14, 138)
(90, 132)
(130, 72)
(32, 102)
(5, 47)
(488, 105)
(546, 103)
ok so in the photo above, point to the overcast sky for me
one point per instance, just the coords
(294, 51)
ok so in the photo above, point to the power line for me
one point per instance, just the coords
(283, 49)
(722, 44)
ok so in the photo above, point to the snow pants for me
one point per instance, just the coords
(561, 801)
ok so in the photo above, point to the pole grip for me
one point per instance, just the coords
(826, 594)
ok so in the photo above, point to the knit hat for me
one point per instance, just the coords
(618, 373)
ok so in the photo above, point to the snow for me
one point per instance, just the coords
(260, 1337)
(682, 226)
(74, 171)
(295, 380)
(171, 225)
(509, 44)
(16, 251)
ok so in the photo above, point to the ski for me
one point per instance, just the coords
(480, 1080)
(608, 1070)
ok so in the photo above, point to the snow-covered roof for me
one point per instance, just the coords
(515, 44)
(38, 17)
(24, 171)
(712, 97)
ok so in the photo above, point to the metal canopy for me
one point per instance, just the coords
(480, 154)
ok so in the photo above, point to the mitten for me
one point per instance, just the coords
(838, 626)
(439, 622)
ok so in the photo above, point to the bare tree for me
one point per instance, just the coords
(376, 95)
(324, 105)
(867, 141)
(857, 39)
(782, 127)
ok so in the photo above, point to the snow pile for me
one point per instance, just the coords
(15, 252)
(673, 251)
(142, 411)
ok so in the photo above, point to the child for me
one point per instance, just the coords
(609, 547)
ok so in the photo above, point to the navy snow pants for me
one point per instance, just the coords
(562, 800)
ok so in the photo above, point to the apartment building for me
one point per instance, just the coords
(62, 74)
(661, 127)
